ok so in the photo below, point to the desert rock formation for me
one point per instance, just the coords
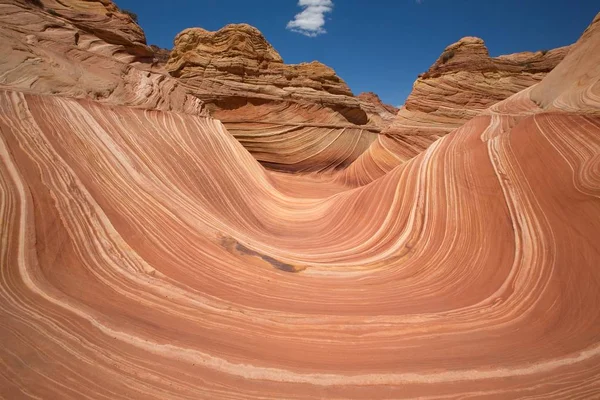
(147, 254)
(374, 100)
(266, 103)
(462, 83)
(83, 49)
(236, 62)
(465, 80)
(383, 114)
(161, 56)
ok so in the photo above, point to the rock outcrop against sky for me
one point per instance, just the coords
(290, 117)
(83, 49)
(461, 84)
(465, 80)
(237, 61)
(146, 253)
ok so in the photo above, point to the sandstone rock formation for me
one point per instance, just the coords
(574, 84)
(161, 56)
(461, 84)
(104, 20)
(380, 114)
(464, 81)
(237, 63)
(374, 100)
(147, 254)
(90, 49)
(265, 103)
(83, 49)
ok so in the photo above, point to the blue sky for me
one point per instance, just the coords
(376, 45)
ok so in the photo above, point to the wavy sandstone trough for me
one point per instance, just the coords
(147, 254)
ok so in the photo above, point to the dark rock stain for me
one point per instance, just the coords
(274, 262)
(234, 246)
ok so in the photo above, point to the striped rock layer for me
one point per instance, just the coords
(464, 81)
(461, 84)
(298, 118)
(84, 49)
(147, 254)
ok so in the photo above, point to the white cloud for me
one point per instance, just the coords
(311, 20)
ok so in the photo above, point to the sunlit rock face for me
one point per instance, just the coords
(382, 114)
(462, 83)
(103, 19)
(147, 254)
(238, 60)
(574, 85)
(290, 117)
(84, 49)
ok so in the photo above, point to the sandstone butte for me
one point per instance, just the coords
(147, 254)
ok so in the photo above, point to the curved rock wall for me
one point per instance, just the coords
(147, 254)
(263, 102)
(65, 49)
(461, 84)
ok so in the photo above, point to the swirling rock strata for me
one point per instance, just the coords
(465, 80)
(380, 113)
(103, 19)
(83, 49)
(574, 84)
(136, 258)
(266, 104)
(147, 254)
(462, 83)
(237, 61)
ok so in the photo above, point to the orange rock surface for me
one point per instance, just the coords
(462, 83)
(147, 254)
(237, 61)
(290, 117)
(382, 114)
(83, 49)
